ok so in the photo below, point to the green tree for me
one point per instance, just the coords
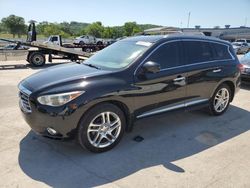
(1, 28)
(108, 32)
(40, 27)
(131, 28)
(54, 29)
(96, 29)
(78, 28)
(82, 31)
(15, 25)
(65, 27)
(118, 31)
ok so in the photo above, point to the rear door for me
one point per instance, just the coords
(206, 66)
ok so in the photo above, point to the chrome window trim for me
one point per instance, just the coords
(198, 63)
(178, 106)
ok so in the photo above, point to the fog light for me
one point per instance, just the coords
(51, 131)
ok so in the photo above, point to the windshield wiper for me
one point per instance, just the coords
(91, 65)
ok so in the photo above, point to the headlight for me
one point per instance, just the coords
(59, 99)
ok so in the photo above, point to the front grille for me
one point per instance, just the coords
(24, 101)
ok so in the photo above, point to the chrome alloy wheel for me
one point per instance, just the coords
(221, 100)
(104, 129)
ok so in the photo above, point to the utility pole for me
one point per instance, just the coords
(245, 22)
(188, 19)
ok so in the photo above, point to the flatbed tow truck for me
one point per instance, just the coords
(54, 48)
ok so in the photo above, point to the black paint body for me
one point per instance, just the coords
(132, 90)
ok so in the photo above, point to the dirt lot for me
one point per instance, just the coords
(179, 149)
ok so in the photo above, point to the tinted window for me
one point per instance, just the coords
(168, 55)
(198, 51)
(221, 51)
(54, 39)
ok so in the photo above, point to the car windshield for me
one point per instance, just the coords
(240, 40)
(118, 55)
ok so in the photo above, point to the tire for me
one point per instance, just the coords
(94, 134)
(81, 43)
(88, 50)
(219, 104)
(37, 59)
(99, 43)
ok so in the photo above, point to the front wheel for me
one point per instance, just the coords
(220, 101)
(101, 128)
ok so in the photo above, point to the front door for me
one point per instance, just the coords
(165, 90)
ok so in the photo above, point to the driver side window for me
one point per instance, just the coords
(167, 55)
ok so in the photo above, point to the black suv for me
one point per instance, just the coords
(137, 77)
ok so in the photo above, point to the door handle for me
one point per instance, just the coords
(217, 70)
(178, 79)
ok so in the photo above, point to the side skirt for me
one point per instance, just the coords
(187, 105)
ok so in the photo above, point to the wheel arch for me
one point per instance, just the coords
(232, 88)
(230, 84)
(122, 106)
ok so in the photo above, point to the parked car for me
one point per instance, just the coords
(245, 61)
(98, 100)
(243, 41)
(14, 47)
(88, 39)
(240, 47)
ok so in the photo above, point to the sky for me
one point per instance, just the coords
(207, 13)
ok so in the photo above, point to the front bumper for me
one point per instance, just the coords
(40, 120)
(64, 120)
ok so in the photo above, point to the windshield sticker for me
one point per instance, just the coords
(143, 43)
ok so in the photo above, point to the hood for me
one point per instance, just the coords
(60, 74)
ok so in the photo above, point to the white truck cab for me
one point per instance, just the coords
(54, 40)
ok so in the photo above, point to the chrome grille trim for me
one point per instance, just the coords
(24, 99)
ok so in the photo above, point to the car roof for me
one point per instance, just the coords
(162, 38)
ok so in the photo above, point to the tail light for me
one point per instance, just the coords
(241, 67)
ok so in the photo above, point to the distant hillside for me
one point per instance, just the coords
(77, 26)
(147, 26)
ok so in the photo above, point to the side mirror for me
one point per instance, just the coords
(151, 67)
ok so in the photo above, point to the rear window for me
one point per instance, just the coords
(221, 51)
(198, 52)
